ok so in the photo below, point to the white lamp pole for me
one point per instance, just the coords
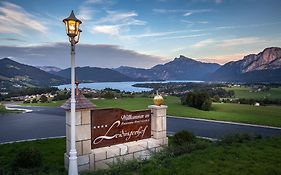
(72, 170)
(73, 31)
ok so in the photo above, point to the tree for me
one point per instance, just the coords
(206, 106)
(199, 100)
(108, 95)
(43, 99)
(216, 98)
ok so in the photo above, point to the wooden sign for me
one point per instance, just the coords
(115, 126)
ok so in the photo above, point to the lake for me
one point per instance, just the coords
(122, 86)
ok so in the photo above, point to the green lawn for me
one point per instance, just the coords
(245, 92)
(259, 157)
(49, 104)
(52, 151)
(263, 115)
(4, 110)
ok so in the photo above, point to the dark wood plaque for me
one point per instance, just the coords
(115, 126)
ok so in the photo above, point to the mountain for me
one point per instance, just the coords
(49, 69)
(13, 72)
(145, 74)
(95, 74)
(181, 68)
(262, 67)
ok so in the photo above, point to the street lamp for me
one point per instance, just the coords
(73, 32)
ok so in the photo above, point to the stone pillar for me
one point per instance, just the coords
(82, 138)
(83, 131)
(158, 123)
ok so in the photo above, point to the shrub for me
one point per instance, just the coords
(28, 158)
(238, 138)
(206, 106)
(43, 99)
(62, 96)
(108, 95)
(34, 100)
(199, 100)
(216, 98)
(183, 137)
(2, 106)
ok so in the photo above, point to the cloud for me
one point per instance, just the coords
(95, 1)
(186, 12)
(239, 41)
(218, 1)
(194, 22)
(222, 59)
(11, 39)
(182, 36)
(14, 19)
(121, 18)
(99, 2)
(175, 33)
(55, 54)
(113, 30)
(85, 13)
(89, 7)
(228, 42)
(203, 43)
(246, 26)
(168, 10)
(115, 22)
(214, 1)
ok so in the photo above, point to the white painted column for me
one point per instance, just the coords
(72, 169)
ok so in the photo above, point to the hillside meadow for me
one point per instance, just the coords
(246, 92)
(262, 115)
(259, 156)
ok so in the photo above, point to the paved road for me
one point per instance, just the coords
(214, 129)
(50, 122)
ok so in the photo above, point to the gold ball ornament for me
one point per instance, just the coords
(158, 100)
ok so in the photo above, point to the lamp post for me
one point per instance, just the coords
(73, 32)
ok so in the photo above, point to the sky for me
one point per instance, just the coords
(138, 33)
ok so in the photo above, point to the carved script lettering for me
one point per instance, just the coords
(115, 126)
(127, 134)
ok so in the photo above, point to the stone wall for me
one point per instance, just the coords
(100, 158)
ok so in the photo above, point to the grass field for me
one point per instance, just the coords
(262, 115)
(4, 110)
(52, 151)
(49, 104)
(255, 157)
(245, 92)
(259, 157)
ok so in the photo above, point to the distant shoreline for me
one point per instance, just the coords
(125, 86)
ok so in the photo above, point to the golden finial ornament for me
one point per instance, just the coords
(158, 99)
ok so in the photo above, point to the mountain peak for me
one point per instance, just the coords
(7, 59)
(271, 49)
(26, 75)
(262, 67)
(269, 58)
(184, 58)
